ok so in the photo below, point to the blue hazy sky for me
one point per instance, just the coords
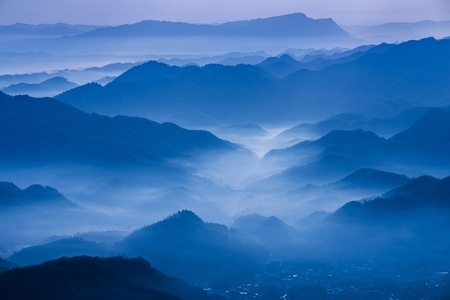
(113, 12)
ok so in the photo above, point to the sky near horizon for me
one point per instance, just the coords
(115, 12)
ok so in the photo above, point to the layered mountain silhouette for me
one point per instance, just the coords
(32, 214)
(185, 246)
(86, 277)
(400, 31)
(316, 60)
(352, 121)
(68, 247)
(33, 82)
(388, 79)
(338, 150)
(395, 78)
(130, 164)
(269, 232)
(13, 196)
(365, 183)
(151, 38)
(366, 178)
(47, 88)
(27, 31)
(45, 130)
(424, 146)
(183, 94)
(281, 66)
(182, 245)
(410, 223)
(244, 130)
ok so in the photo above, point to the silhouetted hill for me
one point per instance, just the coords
(11, 196)
(39, 131)
(352, 121)
(366, 178)
(80, 76)
(6, 265)
(406, 226)
(29, 215)
(428, 136)
(49, 87)
(401, 31)
(68, 247)
(248, 130)
(86, 277)
(296, 24)
(425, 189)
(28, 31)
(185, 246)
(353, 144)
(280, 66)
(312, 219)
(420, 198)
(424, 146)
(269, 232)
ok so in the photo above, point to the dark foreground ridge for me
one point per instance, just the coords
(86, 277)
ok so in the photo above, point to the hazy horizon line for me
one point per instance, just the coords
(228, 21)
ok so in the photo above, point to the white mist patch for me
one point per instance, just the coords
(256, 138)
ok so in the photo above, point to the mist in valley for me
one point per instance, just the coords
(252, 159)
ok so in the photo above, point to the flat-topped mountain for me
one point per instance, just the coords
(296, 24)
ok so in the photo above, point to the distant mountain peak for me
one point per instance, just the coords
(40, 191)
(10, 194)
(185, 216)
(350, 136)
(421, 183)
(8, 189)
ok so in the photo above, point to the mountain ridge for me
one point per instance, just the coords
(85, 277)
(285, 25)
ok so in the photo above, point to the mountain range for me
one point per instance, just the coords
(297, 24)
(162, 39)
(173, 245)
(352, 121)
(396, 78)
(28, 215)
(400, 31)
(423, 147)
(38, 195)
(398, 227)
(47, 88)
(101, 75)
(99, 161)
(46, 130)
(188, 247)
(27, 31)
(408, 224)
